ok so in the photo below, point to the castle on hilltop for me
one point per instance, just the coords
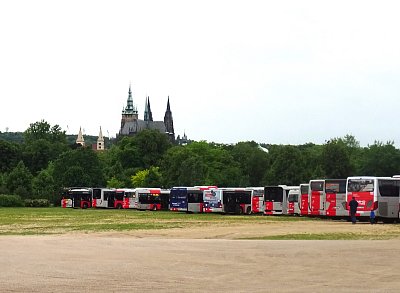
(131, 124)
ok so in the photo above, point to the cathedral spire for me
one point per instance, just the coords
(168, 122)
(100, 141)
(130, 108)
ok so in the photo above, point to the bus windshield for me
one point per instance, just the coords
(360, 185)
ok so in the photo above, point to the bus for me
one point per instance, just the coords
(303, 202)
(151, 199)
(293, 207)
(77, 198)
(275, 199)
(188, 199)
(380, 194)
(124, 198)
(104, 198)
(327, 197)
(228, 200)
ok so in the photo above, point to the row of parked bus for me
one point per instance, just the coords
(325, 197)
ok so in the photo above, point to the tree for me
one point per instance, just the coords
(286, 166)
(43, 144)
(43, 184)
(19, 181)
(10, 155)
(336, 160)
(80, 167)
(253, 161)
(381, 160)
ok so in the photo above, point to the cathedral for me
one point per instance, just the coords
(131, 124)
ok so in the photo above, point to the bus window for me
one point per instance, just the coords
(273, 194)
(389, 188)
(317, 185)
(360, 185)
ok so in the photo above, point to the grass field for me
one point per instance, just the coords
(31, 221)
(44, 221)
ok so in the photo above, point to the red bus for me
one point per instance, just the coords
(303, 202)
(293, 207)
(151, 199)
(380, 194)
(77, 198)
(275, 199)
(327, 197)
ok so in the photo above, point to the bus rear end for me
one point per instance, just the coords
(257, 199)
(293, 202)
(303, 202)
(363, 189)
(316, 197)
(273, 200)
(335, 198)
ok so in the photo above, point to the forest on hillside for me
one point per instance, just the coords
(45, 161)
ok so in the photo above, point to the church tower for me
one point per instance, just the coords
(169, 123)
(100, 141)
(80, 140)
(148, 116)
(129, 113)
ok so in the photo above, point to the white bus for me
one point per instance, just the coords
(151, 199)
(103, 198)
(125, 198)
(293, 202)
(327, 197)
(257, 199)
(380, 194)
(275, 199)
(228, 200)
(303, 201)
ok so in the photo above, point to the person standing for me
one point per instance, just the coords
(372, 217)
(353, 209)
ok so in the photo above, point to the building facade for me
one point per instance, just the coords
(131, 124)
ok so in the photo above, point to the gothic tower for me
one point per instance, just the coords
(169, 123)
(148, 116)
(129, 113)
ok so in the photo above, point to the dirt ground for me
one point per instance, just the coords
(203, 259)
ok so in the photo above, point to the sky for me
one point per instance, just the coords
(279, 72)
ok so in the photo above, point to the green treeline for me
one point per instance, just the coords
(46, 161)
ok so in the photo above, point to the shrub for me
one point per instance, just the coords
(37, 203)
(10, 201)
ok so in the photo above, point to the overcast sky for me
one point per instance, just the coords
(283, 72)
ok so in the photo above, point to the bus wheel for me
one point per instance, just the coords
(248, 211)
(85, 205)
(119, 206)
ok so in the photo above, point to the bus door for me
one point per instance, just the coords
(178, 199)
(109, 198)
(212, 201)
(303, 202)
(121, 201)
(195, 201)
(316, 197)
(164, 200)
